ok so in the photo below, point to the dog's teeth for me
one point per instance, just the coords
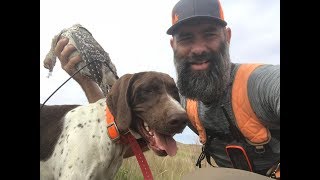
(151, 133)
(146, 126)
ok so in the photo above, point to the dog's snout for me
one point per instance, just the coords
(178, 120)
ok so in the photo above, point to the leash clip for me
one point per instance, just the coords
(201, 157)
(259, 149)
(274, 172)
(204, 154)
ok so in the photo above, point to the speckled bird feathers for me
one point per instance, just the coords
(99, 66)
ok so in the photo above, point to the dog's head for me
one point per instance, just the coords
(148, 103)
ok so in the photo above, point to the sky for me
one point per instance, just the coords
(134, 35)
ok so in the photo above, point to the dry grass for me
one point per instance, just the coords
(163, 168)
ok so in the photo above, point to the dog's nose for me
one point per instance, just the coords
(178, 120)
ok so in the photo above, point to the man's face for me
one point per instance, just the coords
(201, 58)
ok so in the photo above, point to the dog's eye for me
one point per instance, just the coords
(151, 89)
(144, 93)
(147, 91)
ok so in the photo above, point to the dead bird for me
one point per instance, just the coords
(95, 60)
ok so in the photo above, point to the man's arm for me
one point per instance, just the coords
(264, 93)
(90, 88)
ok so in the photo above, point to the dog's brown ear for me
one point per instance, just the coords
(118, 102)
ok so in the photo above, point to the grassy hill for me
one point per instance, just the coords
(163, 168)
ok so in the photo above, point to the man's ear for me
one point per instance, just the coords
(171, 42)
(118, 102)
(228, 34)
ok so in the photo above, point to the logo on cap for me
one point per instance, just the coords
(175, 18)
(187, 10)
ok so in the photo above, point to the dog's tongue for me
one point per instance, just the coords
(166, 143)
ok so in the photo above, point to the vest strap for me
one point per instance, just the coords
(192, 111)
(246, 120)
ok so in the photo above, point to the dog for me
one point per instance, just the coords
(75, 142)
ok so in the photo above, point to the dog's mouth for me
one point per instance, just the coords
(160, 142)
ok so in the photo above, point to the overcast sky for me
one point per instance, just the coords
(134, 35)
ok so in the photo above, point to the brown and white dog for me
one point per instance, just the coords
(74, 143)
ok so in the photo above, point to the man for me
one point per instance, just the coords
(208, 79)
(200, 42)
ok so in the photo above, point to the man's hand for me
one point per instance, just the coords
(68, 59)
(63, 51)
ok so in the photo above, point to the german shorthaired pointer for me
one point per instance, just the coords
(74, 143)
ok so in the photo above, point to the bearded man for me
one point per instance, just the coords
(236, 112)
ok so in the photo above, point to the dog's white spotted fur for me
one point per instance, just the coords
(84, 150)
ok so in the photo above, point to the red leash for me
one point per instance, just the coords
(140, 156)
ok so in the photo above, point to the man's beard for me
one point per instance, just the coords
(208, 85)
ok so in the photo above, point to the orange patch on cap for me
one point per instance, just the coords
(175, 19)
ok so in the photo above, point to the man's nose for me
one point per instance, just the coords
(199, 47)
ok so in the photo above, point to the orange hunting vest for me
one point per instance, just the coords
(247, 122)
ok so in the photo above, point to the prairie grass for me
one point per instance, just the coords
(163, 168)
